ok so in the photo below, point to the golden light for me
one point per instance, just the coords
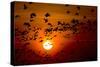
(47, 45)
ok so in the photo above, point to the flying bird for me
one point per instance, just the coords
(92, 10)
(17, 16)
(25, 7)
(68, 12)
(84, 17)
(55, 29)
(24, 32)
(46, 20)
(50, 24)
(59, 23)
(77, 13)
(27, 24)
(78, 7)
(32, 15)
(30, 2)
(66, 5)
(34, 38)
(41, 40)
(47, 15)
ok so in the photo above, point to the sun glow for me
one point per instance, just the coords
(47, 45)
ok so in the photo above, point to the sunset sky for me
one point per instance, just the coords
(71, 30)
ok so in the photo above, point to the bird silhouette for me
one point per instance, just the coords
(25, 7)
(47, 15)
(92, 10)
(78, 7)
(68, 12)
(17, 16)
(77, 13)
(27, 24)
(54, 35)
(48, 29)
(55, 29)
(59, 23)
(46, 20)
(84, 17)
(50, 24)
(34, 38)
(41, 40)
(67, 5)
(30, 2)
(32, 15)
(74, 22)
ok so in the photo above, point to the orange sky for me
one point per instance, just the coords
(58, 12)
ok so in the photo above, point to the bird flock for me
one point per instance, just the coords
(76, 26)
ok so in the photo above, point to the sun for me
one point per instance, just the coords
(47, 45)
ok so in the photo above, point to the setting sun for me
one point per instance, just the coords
(44, 33)
(47, 45)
